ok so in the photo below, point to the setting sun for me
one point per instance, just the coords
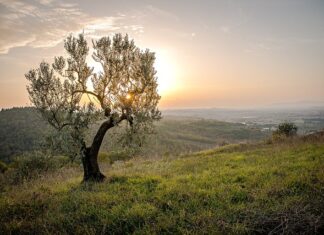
(165, 72)
(164, 66)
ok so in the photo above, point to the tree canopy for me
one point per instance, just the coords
(71, 96)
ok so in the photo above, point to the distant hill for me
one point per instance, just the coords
(308, 118)
(180, 134)
(22, 129)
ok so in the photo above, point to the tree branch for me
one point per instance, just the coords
(104, 127)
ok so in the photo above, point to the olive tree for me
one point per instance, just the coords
(71, 96)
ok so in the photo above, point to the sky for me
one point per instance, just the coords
(209, 53)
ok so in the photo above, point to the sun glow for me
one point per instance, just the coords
(164, 66)
(128, 96)
(165, 72)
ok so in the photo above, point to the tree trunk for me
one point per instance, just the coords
(90, 154)
(91, 168)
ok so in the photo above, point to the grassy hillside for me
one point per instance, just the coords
(237, 189)
(177, 135)
(22, 129)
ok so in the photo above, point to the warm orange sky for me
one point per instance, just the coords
(209, 53)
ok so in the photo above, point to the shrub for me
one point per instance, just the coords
(33, 164)
(286, 129)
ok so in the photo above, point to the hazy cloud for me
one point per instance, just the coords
(45, 2)
(162, 13)
(44, 23)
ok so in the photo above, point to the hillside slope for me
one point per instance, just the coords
(240, 189)
(178, 135)
(23, 129)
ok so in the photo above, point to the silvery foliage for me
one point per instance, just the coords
(126, 89)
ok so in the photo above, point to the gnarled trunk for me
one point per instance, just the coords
(90, 154)
(90, 167)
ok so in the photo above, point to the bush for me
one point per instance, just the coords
(286, 129)
(33, 164)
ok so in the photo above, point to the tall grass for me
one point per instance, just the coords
(241, 189)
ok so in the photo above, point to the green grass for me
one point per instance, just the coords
(237, 189)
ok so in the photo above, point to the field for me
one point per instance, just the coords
(236, 189)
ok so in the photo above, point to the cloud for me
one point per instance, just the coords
(158, 12)
(45, 23)
(45, 2)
